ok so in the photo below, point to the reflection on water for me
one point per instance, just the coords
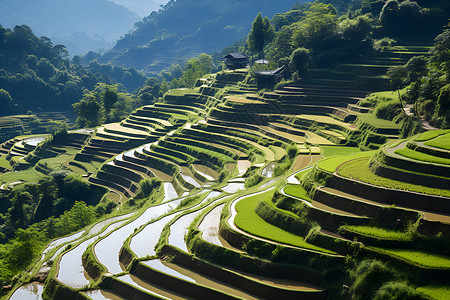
(180, 228)
(102, 295)
(233, 187)
(108, 249)
(71, 270)
(169, 191)
(210, 225)
(158, 265)
(268, 171)
(29, 291)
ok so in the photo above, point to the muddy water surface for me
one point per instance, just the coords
(268, 170)
(71, 271)
(151, 288)
(174, 269)
(103, 295)
(107, 250)
(29, 291)
(210, 228)
(243, 166)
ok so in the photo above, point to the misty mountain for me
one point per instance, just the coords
(141, 7)
(186, 28)
(81, 25)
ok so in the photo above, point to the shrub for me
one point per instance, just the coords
(388, 110)
(368, 277)
(253, 180)
(147, 186)
(397, 290)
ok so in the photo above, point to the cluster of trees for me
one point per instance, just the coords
(184, 28)
(33, 214)
(104, 104)
(428, 82)
(37, 75)
(316, 33)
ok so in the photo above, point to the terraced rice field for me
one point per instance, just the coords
(209, 237)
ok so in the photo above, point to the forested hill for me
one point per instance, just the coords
(82, 25)
(37, 75)
(185, 28)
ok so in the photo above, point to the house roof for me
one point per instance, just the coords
(262, 62)
(236, 55)
(270, 73)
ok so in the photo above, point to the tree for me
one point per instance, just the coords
(6, 102)
(48, 192)
(88, 111)
(318, 25)
(300, 60)
(262, 31)
(109, 98)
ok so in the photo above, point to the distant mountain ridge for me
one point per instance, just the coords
(186, 28)
(141, 7)
(81, 25)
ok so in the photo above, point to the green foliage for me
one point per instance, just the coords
(38, 75)
(388, 110)
(147, 186)
(359, 169)
(297, 191)
(6, 102)
(422, 258)
(368, 277)
(196, 68)
(416, 155)
(442, 141)
(248, 220)
(435, 291)
(262, 32)
(378, 232)
(103, 104)
(397, 291)
(301, 59)
(253, 180)
(331, 164)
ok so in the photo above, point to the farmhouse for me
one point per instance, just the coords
(235, 61)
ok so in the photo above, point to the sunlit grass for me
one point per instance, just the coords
(421, 258)
(298, 191)
(358, 169)
(377, 232)
(435, 291)
(332, 163)
(428, 135)
(442, 141)
(406, 152)
(248, 220)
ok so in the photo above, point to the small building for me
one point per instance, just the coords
(262, 62)
(235, 61)
(269, 78)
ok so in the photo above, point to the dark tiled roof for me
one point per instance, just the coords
(270, 73)
(236, 56)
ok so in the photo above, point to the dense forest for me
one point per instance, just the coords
(185, 28)
(80, 25)
(36, 75)
(316, 35)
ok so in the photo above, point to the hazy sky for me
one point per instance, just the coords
(141, 7)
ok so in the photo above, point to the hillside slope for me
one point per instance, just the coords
(185, 28)
(82, 25)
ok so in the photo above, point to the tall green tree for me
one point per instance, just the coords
(262, 32)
